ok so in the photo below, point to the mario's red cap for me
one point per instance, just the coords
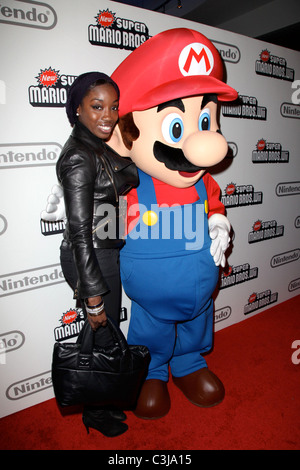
(173, 64)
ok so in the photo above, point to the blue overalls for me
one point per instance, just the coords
(170, 280)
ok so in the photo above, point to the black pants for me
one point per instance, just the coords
(108, 260)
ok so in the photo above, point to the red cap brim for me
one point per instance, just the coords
(180, 88)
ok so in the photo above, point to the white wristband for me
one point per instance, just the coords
(95, 311)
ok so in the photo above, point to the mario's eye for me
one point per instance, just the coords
(204, 120)
(172, 128)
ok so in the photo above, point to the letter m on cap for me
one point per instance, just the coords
(196, 59)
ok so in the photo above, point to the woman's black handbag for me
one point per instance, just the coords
(85, 374)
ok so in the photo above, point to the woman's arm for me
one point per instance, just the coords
(77, 174)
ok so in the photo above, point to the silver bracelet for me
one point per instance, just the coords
(94, 311)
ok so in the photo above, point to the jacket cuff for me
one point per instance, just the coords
(83, 292)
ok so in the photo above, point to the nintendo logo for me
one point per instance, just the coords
(228, 52)
(28, 13)
(222, 314)
(28, 386)
(30, 154)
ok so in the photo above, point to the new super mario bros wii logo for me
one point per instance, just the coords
(120, 33)
(241, 195)
(273, 66)
(51, 88)
(245, 107)
(260, 300)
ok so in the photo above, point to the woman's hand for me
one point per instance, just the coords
(96, 320)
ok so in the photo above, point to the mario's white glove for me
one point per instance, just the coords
(219, 228)
(55, 209)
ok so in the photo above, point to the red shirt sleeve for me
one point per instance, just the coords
(215, 206)
(132, 215)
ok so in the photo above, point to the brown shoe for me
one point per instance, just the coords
(154, 400)
(202, 388)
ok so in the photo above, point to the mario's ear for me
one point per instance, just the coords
(116, 142)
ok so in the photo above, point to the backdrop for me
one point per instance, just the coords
(44, 47)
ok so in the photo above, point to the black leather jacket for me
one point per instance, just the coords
(93, 176)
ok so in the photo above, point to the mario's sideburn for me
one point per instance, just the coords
(129, 131)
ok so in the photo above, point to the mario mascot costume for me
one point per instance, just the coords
(169, 88)
(177, 231)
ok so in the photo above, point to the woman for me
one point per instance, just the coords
(93, 176)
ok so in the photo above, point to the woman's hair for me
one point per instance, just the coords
(80, 87)
(101, 81)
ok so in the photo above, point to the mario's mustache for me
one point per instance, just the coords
(173, 158)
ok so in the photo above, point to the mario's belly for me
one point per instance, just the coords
(175, 287)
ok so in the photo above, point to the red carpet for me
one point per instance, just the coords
(261, 409)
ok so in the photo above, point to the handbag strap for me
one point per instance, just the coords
(86, 338)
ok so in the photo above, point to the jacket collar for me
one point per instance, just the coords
(81, 133)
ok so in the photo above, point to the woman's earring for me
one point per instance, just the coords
(77, 114)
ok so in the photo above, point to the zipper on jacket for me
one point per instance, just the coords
(110, 178)
(101, 225)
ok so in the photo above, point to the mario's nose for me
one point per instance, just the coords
(205, 148)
